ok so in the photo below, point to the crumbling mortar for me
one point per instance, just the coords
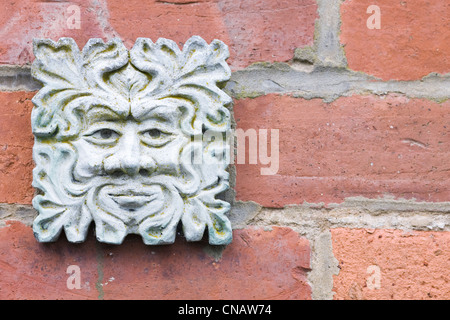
(329, 50)
(330, 84)
(315, 222)
(327, 83)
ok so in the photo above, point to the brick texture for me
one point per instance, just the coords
(368, 146)
(413, 39)
(391, 264)
(16, 143)
(355, 146)
(255, 30)
(257, 265)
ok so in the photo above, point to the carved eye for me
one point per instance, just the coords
(156, 138)
(154, 133)
(103, 136)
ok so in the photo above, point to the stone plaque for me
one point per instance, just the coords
(132, 140)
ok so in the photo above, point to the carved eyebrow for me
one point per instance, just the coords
(102, 113)
(162, 113)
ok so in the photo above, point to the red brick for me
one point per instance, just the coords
(23, 20)
(16, 143)
(255, 30)
(267, 30)
(355, 146)
(258, 264)
(33, 271)
(407, 265)
(413, 41)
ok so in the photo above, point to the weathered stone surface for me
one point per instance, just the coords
(257, 265)
(391, 264)
(413, 39)
(129, 139)
(366, 146)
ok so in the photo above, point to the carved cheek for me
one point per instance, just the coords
(167, 158)
(90, 160)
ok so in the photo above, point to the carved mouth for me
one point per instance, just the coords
(132, 200)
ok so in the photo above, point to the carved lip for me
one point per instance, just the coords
(132, 200)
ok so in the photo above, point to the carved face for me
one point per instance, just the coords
(132, 162)
(118, 150)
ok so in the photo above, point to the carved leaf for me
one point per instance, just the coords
(59, 205)
(58, 64)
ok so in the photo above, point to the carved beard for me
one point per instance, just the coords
(150, 208)
(147, 204)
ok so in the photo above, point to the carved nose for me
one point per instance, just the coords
(128, 159)
(129, 154)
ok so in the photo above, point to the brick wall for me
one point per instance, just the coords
(359, 205)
